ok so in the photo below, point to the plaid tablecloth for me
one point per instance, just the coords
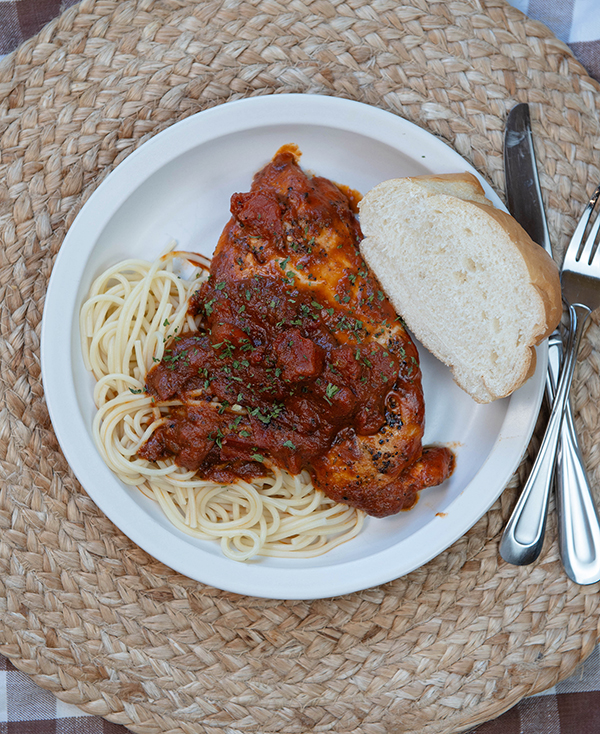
(27, 709)
(573, 706)
(576, 22)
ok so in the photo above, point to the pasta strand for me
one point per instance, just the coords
(133, 308)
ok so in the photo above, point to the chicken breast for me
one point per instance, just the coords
(297, 330)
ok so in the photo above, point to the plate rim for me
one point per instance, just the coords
(307, 583)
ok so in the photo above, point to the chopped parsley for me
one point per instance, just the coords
(331, 391)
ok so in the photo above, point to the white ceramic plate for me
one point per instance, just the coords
(178, 185)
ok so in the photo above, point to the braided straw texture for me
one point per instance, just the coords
(83, 610)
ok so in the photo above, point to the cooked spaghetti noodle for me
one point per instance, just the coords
(133, 309)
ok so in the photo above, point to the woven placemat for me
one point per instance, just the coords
(83, 610)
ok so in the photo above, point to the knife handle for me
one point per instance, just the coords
(578, 521)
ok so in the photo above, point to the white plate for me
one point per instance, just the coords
(178, 185)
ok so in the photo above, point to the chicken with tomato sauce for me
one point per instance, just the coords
(296, 330)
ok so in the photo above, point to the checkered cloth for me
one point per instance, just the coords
(21, 19)
(576, 22)
(27, 709)
(573, 706)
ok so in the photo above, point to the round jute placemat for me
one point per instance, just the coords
(83, 610)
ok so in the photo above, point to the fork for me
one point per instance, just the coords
(580, 278)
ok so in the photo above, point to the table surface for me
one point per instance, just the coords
(571, 707)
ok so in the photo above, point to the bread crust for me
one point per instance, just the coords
(543, 271)
(542, 276)
(462, 185)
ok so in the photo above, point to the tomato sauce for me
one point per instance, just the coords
(300, 359)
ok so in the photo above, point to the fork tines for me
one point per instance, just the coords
(584, 250)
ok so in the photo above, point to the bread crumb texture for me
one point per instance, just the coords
(467, 279)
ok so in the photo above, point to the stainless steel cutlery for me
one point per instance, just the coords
(579, 526)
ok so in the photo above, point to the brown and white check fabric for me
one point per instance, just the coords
(27, 709)
(21, 19)
(576, 22)
(573, 706)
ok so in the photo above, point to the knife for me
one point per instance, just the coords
(579, 525)
(523, 193)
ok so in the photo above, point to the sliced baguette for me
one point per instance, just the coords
(469, 282)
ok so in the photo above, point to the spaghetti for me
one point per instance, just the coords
(132, 311)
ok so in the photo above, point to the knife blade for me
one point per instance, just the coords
(523, 192)
(579, 524)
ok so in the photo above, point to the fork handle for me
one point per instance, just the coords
(578, 521)
(524, 534)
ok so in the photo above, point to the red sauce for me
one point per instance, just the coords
(296, 330)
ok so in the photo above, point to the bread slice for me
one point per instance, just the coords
(469, 282)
